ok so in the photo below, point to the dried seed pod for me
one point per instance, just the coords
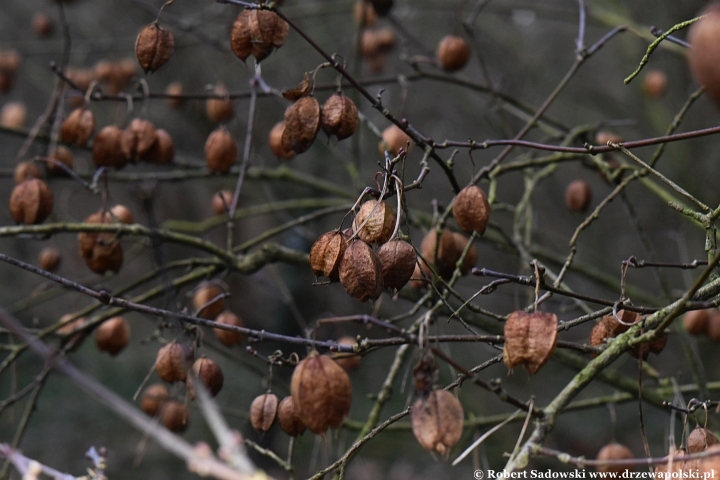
(162, 151)
(382, 7)
(153, 47)
(700, 439)
(49, 259)
(61, 155)
(471, 209)
(209, 373)
(443, 255)
(452, 53)
(339, 116)
(288, 420)
(706, 467)
(78, 127)
(393, 139)
(321, 393)
(220, 109)
(347, 361)
(470, 259)
(206, 293)
(610, 327)
(154, 398)
(302, 124)
(227, 337)
(530, 339)
(122, 214)
(577, 196)
(437, 421)
(275, 142)
(42, 24)
(101, 251)
(654, 84)
(31, 202)
(599, 334)
(674, 468)
(417, 281)
(25, 171)
(704, 36)
(696, 321)
(645, 349)
(82, 77)
(221, 201)
(13, 115)
(263, 411)
(327, 253)
(138, 138)
(107, 149)
(300, 90)
(220, 151)
(379, 222)
(113, 335)
(241, 36)
(615, 451)
(175, 416)
(398, 261)
(361, 272)
(269, 33)
(364, 14)
(173, 361)
(174, 90)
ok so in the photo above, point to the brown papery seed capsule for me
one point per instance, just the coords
(327, 253)
(361, 272)
(107, 150)
(241, 36)
(25, 171)
(113, 335)
(209, 373)
(374, 222)
(78, 127)
(13, 115)
(398, 261)
(122, 214)
(437, 421)
(393, 139)
(700, 439)
(227, 337)
(138, 138)
(302, 124)
(175, 416)
(175, 89)
(339, 116)
(614, 451)
(263, 411)
(269, 32)
(220, 109)
(106, 255)
(275, 142)
(206, 293)
(153, 398)
(221, 201)
(288, 420)
(704, 36)
(162, 151)
(347, 361)
(654, 84)
(696, 321)
(453, 53)
(49, 259)
(645, 349)
(530, 339)
(578, 196)
(220, 151)
(442, 255)
(470, 259)
(321, 393)
(31, 202)
(153, 47)
(61, 155)
(173, 361)
(471, 209)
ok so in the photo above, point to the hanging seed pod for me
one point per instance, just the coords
(704, 36)
(173, 361)
(379, 222)
(302, 124)
(577, 196)
(452, 53)
(227, 337)
(25, 171)
(61, 155)
(154, 47)
(153, 398)
(364, 14)
(398, 261)
(49, 259)
(113, 335)
(417, 281)
(174, 90)
(263, 411)
(107, 148)
(275, 142)
(78, 127)
(654, 84)
(321, 393)
(270, 33)
(13, 115)
(645, 349)
(361, 272)
(206, 293)
(470, 259)
(138, 138)
(289, 422)
(696, 321)
(347, 361)
(122, 214)
(393, 139)
(241, 36)
(327, 253)
(162, 151)
(220, 110)
(530, 339)
(300, 90)
(175, 416)
(471, 209)
(101, 251)
(221, 201)
(382, 7)
(425, 375)
(442, 256)
(615, 451)
(339, 116)
(209, 373)
(220, 151)
(700, 439)
(674, 468)
(31, 202)
(437, 421)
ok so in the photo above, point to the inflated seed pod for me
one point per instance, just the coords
(654, 84)
(31, 202)
(374, 222)
(113, 335)
(162, 151)
(25, 171)
(398, 261)
(153, 398)
(60, 155)
(138, 138)
(107, 149)
(175, 416)
(78, 127)
(263, 411)
(288, 420)
(615, 451)
(227, 337)
(361, 272)
(452, 53)
(221, 201)
(174, 90)
(339, 116)
(49, 259)
(153, 47)
(101, 251)
(347, 361)
(13, 115)
(327, 253)
(209, 373)
(700, 439)
(302, 124)
(696, 321)
(437, 421)
(207, 292)
(577, 196)
(220, 151)
(257, 32)
(393, 139)
(220, 109)
(471, 209)
(704, 36)
(173, 361)
(530, 339)
(276, 144)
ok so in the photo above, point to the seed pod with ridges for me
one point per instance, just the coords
(470, 259)
(26, 171)
(173, 361)
(221, 201)
(361, 272)
(209, 373)
(393, 139)
(61, 155)
(113, 335)
(700, 439)
(288, 420)
(382, 7)
(530, 339)
(107, 149)
(614, 451)
(227, 337)
(321, 393)
(270, 33)
(220, 151)
(578, 196)
(220, 109)
(205, 293)
(300, 90)
(654, 84)
(437, 421)
(452, 53)
(380, 222)
(106, 255)
(31, 202)
(275, 142)
(13, 115)
(704, 36)
(645, 349)
(162, 151)
(398, 260)
(153, 47)
(327, 253)
(445, 257)
(78, 127)
(347, 361)
(696, 321)
(175, 89)
(302, 124)
(175, 416)
(471, 209)
(263, 411)
(49, 259)
(138, 138)
(122, 214)
(339, 116)
(241, 37)
(153, 398)
(364, 14)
